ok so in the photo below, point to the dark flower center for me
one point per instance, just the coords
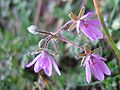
(92, 58)
(83, 22)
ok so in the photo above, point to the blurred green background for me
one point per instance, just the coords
(16, 44)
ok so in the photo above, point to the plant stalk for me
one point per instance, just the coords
(107, 34)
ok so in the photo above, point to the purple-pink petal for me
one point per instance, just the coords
(32, 62)
(94, 22)
(44, 61)
(88, 72)
(56, 67)
(37, 66)
(96, 70)
(95, 63)
(90, 31)
(47, 63)
(86, 60)
(98, 57)
(88, 15)
(104, 67)
(48, 68)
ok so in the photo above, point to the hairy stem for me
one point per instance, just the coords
(65, 26)
(45, 32)
(47, 41)
(67, 41)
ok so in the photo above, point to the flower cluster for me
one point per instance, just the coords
(91, 62)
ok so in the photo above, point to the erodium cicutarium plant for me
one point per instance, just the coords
(84, 24)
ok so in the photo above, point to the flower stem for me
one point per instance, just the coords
(48, 38)
(67, 41)
(107, 34)
(65, 26)
(45, 32)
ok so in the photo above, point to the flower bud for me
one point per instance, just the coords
(33, 29)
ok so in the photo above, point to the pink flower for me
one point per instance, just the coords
(89, 27)
(95, 64)
(44, 61)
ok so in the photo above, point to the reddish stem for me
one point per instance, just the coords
(67, 41)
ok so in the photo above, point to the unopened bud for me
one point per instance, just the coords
(33, 29)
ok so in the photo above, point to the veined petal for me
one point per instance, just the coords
(32, 62)
(48, 68)
(47, 64)
(98, 57)
(88, 72)
(56, 67)
(87, 58)
(94, 22)
(104, 67)
(37, 66)
(89, 14)
(96, 70)
(91, 32)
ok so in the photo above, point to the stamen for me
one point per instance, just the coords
(93, 63)
(84, 23)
